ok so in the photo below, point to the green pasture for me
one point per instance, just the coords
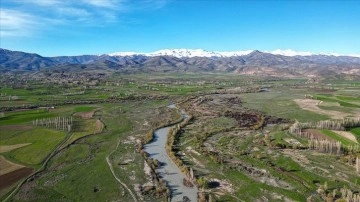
(279, 102)
(42, 140)
(25, 117)
(337, 137)
(340, 100)
(84, 108)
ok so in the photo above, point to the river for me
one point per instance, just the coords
(169, 171)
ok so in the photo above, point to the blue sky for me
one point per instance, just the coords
(69, 27)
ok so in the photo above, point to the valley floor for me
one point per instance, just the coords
(293, 141)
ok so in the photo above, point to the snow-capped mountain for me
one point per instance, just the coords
(289, 52)
(277, 63)
(185, 53)
(188, 53)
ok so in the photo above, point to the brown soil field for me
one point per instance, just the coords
(99, 126)
(8, 166)
(6, 148)
(10, 178)
(85, 115)
(317, 134)
(15, 127)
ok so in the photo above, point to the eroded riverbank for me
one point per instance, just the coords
(169, 171)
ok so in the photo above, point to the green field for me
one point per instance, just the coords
(22, 117)
(82, 128)
(356, 131)
(268, 161)
(342, 100)
(279, 102)
(337, 137)
(84, 108)
(43, 141)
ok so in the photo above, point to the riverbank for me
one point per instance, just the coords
(169, 171)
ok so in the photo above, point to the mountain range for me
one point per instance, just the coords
(204, 53)
(254, 62)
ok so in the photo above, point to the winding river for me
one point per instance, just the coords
(169, 171)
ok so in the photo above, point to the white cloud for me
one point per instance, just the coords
(15, 23)
(22, 17)
(43, 2)
(103, 3)
(73, 12)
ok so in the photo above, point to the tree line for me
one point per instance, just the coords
(341, 124)
(58, 123)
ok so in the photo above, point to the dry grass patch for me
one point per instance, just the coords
(346, 134)
(8, 166)
(312, 105)
(85, 115)
(99, 126)
(7, 148)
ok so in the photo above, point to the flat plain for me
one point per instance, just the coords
(239, 143)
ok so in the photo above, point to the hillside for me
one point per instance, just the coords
(184, 60)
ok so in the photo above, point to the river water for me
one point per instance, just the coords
(169, 171)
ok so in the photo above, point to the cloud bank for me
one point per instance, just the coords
(21, 18)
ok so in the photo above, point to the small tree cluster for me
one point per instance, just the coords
(311, 136)
(338, 194)
(352, 148)
(328, 124)
(350, 123)
(296, 128)
(160, 189)
(202, 183)
(148, 137)
(349, 195)
(58, 123)
(325, 146)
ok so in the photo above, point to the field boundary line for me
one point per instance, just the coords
(42, 168)
(113, 172)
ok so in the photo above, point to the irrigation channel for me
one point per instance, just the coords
(169, 171)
